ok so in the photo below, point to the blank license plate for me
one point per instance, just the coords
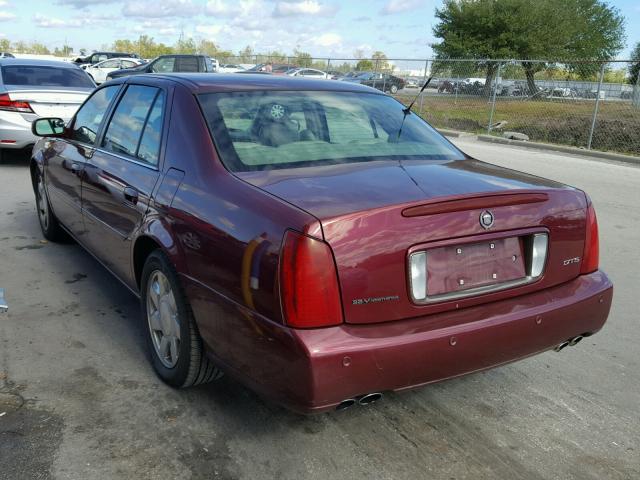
(456, 268)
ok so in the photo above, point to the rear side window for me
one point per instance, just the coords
(150, 142)
(136, 110)
(41, 76)
(89, 117)
(186, 64)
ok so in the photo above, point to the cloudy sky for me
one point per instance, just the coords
(400, 28)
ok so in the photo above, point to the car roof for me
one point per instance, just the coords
(28, 62)
(236, 82)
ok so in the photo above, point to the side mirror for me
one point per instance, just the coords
(47, 127)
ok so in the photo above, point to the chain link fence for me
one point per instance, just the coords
(586, 104)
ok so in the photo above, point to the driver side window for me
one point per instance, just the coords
(88, 119)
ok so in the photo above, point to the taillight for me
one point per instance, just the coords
(308, 283)
(14, 105)
(591, 254)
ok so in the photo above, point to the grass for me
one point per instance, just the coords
(566, 122)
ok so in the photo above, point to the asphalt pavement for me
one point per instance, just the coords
(78, 399)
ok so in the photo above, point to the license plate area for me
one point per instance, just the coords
(449, 270)
(462, 267)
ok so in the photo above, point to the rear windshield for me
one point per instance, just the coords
(272, 129)
(39, 76)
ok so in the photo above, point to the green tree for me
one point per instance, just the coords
(525, 30)
(634, 68)
(5, 45)
(380, 61)
(187, 46)
(65, 51)
(246, 55)
(39, 48)
(364, 65)
(634, 75)
(302, 59)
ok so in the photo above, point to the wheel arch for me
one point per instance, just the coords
(156, 236)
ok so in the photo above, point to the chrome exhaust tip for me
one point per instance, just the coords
(369, 398)
(575, 340)
(343, 405)
(561, 346)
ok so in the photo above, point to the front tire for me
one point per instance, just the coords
(175, 346)
(49, 224)
(393, 89)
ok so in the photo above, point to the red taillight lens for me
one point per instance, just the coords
(308, 283)
(591, 255)
(14, 105)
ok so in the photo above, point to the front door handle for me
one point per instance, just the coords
(131, 194)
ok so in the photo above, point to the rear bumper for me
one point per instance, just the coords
(15, 130)
(314, 370)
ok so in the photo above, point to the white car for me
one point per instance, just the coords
(230, 68)
(100, 70)
(307, 73)
(30, 89)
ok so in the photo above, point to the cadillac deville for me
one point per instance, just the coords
(315, 240)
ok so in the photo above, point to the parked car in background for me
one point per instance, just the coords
(306, 72)
(99, 71)
(276, 68)
(169, 64)
(98, 57)
(6, 55)
(285, 245)
(334, 74)
(382, 81)
(411, 82)
(30, 89)
(230, 68)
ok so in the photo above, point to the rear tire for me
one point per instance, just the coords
(49, 224)
(175, 346)
(393, 89)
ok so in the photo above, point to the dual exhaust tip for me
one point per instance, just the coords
(367, 399)
(569, 343)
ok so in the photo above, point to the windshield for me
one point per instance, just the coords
(275, 129)
(39, 76)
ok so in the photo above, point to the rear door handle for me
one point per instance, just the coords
(131, 194)
(75, 168)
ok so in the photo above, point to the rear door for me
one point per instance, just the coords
(121, 175)
(66, 158)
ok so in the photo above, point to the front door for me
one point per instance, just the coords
(120, 177)
(67, 157)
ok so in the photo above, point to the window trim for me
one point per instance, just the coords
(165, 114)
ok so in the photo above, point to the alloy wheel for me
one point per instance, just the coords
(163, 319)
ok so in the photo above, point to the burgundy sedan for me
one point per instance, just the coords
(313, 239)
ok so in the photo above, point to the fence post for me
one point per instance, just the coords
(493, 100)
(328, 64)
(424, 79)
(595, 110)
(635, 95)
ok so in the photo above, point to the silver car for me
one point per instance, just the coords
(30, 89)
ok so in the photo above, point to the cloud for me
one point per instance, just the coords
(328, 40)
(44, 21)
(4, 16)
(211, 30)
(160, 9)
(363, 18)
(85, 3)
(304, 7)
(221, 8)
(400, 6)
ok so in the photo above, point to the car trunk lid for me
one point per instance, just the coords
(375, 215)
(51, 103)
